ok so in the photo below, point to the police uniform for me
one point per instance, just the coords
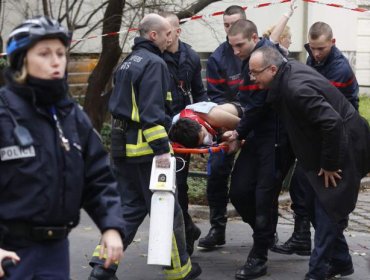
(186, 87)
(223, 79)
(138, 105)
(44, 184)
(259, 169)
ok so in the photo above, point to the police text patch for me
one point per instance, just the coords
(15, 152)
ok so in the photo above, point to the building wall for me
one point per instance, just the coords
(363, 54)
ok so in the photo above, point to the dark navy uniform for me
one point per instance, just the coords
(337, 70)
(185, 77)
(186, 87)
(44, 185)
(138, 106)
(223, 79)
(262, 164)
(223, 74)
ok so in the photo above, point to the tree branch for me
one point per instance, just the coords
(195, 8)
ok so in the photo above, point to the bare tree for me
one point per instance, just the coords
(45, 6)
(98, 89)
(95, 102)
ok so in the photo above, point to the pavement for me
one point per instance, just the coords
(222, 263)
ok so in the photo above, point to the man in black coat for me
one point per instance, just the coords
(330, 140)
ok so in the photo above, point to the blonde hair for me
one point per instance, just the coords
(20, 76)
(286, 32)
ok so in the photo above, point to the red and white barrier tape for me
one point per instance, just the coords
(357, 9)
(196, 17)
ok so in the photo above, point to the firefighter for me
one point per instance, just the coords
(186, 87)
(223, 79)
(52, 160)
(265, 159)
(138, 106)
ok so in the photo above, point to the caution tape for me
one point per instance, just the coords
(356, 9)
(262, 5)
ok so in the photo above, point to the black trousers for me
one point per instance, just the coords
(182, 163)
(330, 245)
(298, 186)
(133, 182)
(256, 182)
(220, 165)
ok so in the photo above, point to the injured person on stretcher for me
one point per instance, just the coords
(202, 124)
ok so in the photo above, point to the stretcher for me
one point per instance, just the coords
(216, 148)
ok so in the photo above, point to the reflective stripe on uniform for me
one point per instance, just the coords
(177, 271)
(169, 96)
(135, 111)
(140, 149)
(97, 260)
(154, 133)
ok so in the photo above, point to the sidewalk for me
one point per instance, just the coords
(221, 264)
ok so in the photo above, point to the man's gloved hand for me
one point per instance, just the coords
(163, 160)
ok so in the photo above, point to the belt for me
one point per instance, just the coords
(124, 124)
(35, 233)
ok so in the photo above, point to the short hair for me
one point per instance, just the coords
(320, 28)
(173, 18)
(151, 22)
(245, 27)
(185, 132)
(234, 10)
(270, 56)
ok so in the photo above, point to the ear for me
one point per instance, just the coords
(178, 31)
(254, 37)
(274, 69)
(153, 36)
(333, 41)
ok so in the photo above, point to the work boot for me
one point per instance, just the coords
(338, 271)
(216, 235)
(252, 269)
(194, 272)
(100, 273)
(300, 241)
(191, 235)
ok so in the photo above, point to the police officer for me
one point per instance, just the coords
(263, 161)
(186, 87)
(52, 160)
(329, 61)
(223, 79)
(138, 107)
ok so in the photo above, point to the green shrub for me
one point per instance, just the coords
(365, 107)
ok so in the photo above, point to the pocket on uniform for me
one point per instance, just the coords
(118, 143)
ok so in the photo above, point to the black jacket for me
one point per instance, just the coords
(186, 80)
(45, 184)
(141, 98)
(337, 70)
(258, 116)
(325, 131)
(223, 74)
